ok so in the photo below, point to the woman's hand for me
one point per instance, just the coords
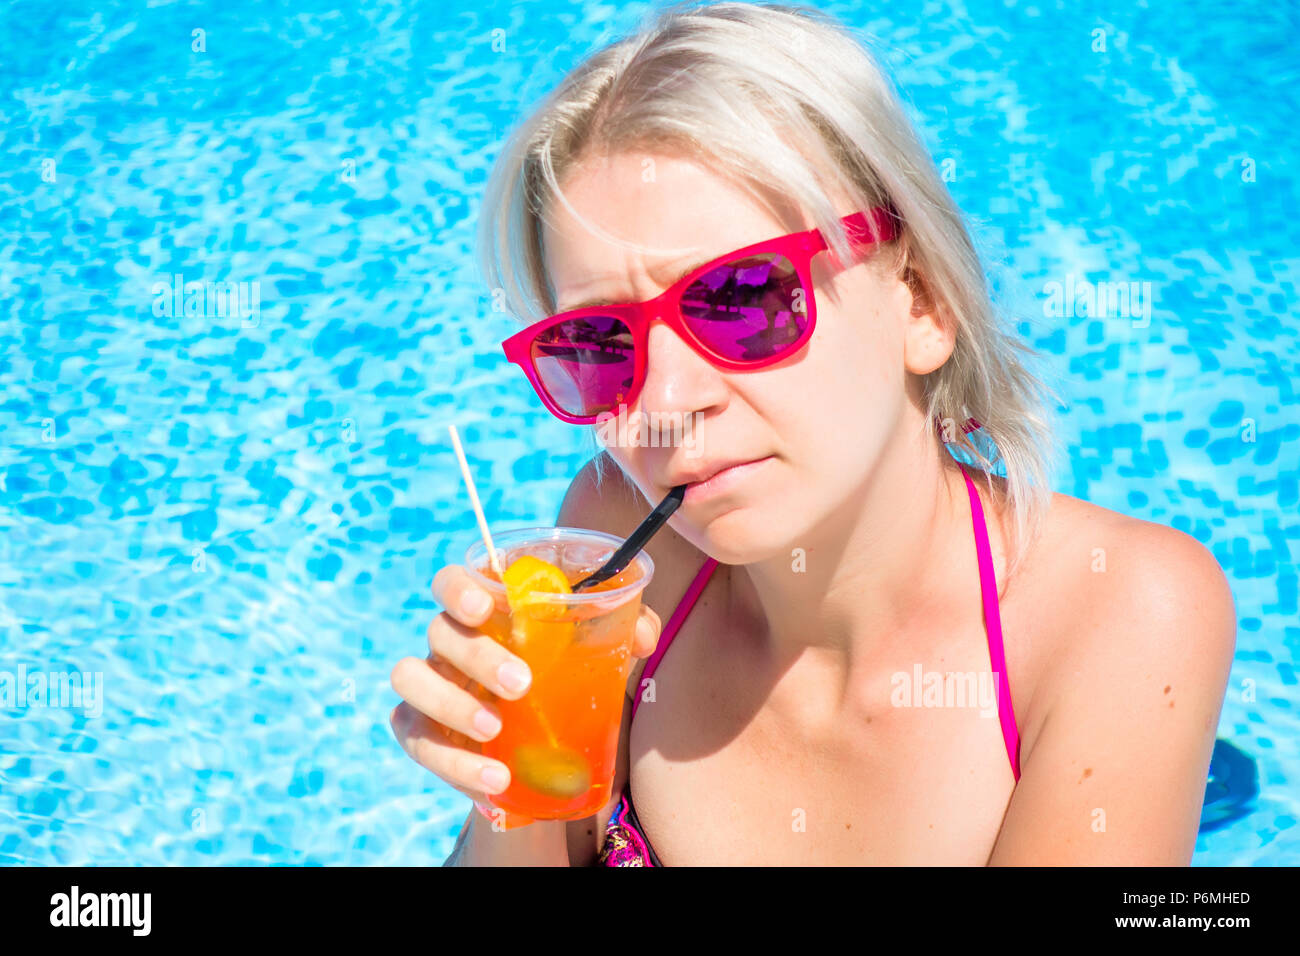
(439, 719)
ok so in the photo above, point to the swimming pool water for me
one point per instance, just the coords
(234, 518)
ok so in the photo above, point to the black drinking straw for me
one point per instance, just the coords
(638, 539)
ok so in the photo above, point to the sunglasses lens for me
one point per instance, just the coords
(748, 310)
(585, 365)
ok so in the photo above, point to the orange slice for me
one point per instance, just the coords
(539, 630)
(528, 580)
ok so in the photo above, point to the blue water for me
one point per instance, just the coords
(234, 520)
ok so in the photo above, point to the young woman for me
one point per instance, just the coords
(732, 209)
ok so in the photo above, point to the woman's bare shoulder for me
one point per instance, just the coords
(1108, 563)
(1123, 599)
(1131, 630)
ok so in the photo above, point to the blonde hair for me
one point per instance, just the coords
(734, 85)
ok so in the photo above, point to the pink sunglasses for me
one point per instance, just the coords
(742, 311)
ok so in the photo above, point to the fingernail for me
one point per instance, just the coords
(494, 779)
(475, 603)
(513, 676)
(487, 723)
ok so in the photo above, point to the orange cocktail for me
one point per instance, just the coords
(560, 740)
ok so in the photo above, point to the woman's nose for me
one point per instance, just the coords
(678, 379)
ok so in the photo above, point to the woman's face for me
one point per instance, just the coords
(821, 419)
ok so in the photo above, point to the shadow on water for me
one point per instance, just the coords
(1232, 788)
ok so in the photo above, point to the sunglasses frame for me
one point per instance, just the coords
(864, 229)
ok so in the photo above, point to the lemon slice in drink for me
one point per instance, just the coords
(538, 627)
(528, 580)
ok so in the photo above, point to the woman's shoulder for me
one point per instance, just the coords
(1112, 564)
(1130, 632)
(1127, 603)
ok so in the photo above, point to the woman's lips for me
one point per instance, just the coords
(724, 481)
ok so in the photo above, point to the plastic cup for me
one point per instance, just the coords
(560, 740)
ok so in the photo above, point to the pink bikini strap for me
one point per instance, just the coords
(674, 623)
(993, 626)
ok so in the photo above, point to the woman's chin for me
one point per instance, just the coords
(745, 536)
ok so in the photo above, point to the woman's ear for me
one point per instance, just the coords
(930, 337)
